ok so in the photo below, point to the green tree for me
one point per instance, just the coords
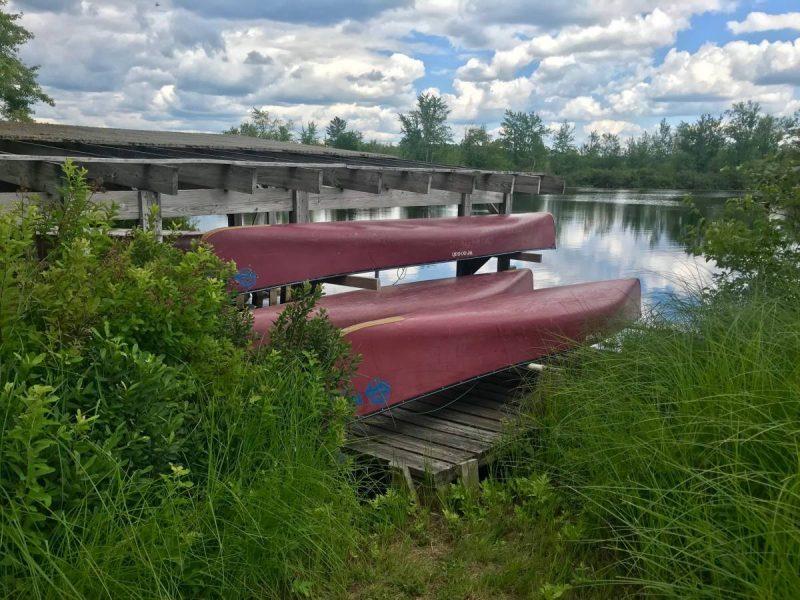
(480, 151)
(19, 90)
(338, 136)
(308, 134)
(700, 143)
(262, 125)
(564, 154)
(753, 134)
(522, 135)
(425, 130)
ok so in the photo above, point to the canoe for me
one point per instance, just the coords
(410, 355)
(272, 255)
(349, 308)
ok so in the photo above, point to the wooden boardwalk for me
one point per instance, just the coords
(444, 436)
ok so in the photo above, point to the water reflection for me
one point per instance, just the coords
(600, 235)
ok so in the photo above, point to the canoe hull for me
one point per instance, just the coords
(349, 308)
(420, 353)
(271, 255)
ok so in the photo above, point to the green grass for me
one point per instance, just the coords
(683, 447)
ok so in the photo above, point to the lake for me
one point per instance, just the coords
(601, 234)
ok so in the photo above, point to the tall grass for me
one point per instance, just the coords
(146, 449)
(683, 446)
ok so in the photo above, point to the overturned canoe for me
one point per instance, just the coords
(268, 256)
(406, 356)
(349, 308)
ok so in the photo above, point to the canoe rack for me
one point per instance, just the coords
(445, 436)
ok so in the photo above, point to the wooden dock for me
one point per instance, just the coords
(444, 436)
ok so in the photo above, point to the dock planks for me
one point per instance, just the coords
(446, 435)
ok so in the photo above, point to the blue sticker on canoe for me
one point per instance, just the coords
(246, 278)
(357, 399)
(378, 391)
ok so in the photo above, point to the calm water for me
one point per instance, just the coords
(601, 235)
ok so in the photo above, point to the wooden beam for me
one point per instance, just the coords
(527, 257)
(231, 177)
(411, 181)
(299, 212)
(33, 175)
(463, 183)
(150, 212)
(356, 281)
(157, 178)
(293, 178)
(465, 207)
(527, 184)
(552, 185)
(362, 180)
(495, 182)
(190, 203)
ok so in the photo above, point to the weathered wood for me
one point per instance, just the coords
(33, 175)
(419, 465)
(495, 182)
(470, 266)
(428, 434)
(439, 423)
(150, 212)
(456, 416)
(534, 257)
(507, 206)
(490, 413)
(418, 182)
(402, 476)
(421, 447)
(294, 178)
(527, 184)
(189, 203)
(356, 281)
(465, 207)
(468, 472)
(231, 177)
(354, 179)
(274, 296)
(452, 181)
(299, 212)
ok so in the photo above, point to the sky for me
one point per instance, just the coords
(617, 66)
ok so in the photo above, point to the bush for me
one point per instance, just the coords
(145, 449)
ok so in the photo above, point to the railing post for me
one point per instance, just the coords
(299, 212)
(147, 200)
(465, 207)
(508, 200)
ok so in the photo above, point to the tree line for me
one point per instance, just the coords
(705, 154)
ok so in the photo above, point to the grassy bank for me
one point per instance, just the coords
(683, 450)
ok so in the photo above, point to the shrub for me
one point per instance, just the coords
(145, 449)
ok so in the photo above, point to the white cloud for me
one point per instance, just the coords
(621, 128)
(582, 108)
(759, 21)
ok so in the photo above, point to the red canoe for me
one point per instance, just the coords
(268, 256)
(350, 308)
(406, 356)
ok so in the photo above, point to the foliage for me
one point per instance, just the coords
(522, 135)
(712, 153)
(19, 90)
(140, 432)
(338, 135)
(519, 537)
(425, 129)
(683, 447)
(756, 243)
(308, 134)
(480, 151)
(261, 125)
